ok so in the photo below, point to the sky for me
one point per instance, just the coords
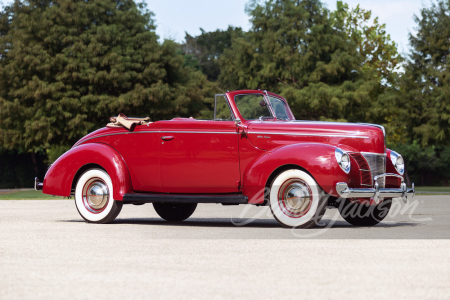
(175, 17)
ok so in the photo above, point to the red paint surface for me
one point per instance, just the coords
(202, 157)
(212, 156)
(60, 176)
(317, 159)
(391, 182)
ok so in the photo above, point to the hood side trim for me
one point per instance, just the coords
(310, 134)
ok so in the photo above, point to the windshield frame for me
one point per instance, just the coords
(237, 113)
(288, 109)
(259, 93)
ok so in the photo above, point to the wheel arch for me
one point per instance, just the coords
(62, 176)
(283, 168)
(317, 160)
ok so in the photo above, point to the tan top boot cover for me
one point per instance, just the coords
(129, 123)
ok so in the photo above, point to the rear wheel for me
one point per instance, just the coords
(94, 197)
(174, 212)
(296, 200)
(364, 215)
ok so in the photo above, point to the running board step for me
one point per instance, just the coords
(185, 198)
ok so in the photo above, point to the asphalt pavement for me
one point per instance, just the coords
(221, 252)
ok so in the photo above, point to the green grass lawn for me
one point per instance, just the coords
(28, 195)
(433, 189)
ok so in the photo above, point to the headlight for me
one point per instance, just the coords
(343, 160)
(398, 162)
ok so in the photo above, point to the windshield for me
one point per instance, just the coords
(279, 107)
(252, 106)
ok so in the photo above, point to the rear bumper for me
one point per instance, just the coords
(376, 193)
(38, 185)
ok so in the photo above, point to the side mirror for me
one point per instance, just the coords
(237, 122)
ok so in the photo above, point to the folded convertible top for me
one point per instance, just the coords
(129, 123)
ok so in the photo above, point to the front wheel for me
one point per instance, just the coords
(296, 200)
(174, 212)
(94, 197)
(364, 215)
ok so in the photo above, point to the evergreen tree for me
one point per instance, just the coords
(324, 64)
(379, 62)
(426, 82)
(66, 66)
(206, 48)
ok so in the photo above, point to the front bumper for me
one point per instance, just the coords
(376, 193)
(38, 185)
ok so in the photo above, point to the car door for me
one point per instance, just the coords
(141, 151)
(200, 156)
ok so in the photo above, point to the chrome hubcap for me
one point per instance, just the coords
(95, 195)
(295, 198)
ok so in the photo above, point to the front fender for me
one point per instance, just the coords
(391, 182)
(317, 159)
(59, 178)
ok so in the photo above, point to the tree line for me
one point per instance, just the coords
(66, 66)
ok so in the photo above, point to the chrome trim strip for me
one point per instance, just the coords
(266, 97)
(371, 153)
(218, 132)
(154, 131)
(310, 134)
(103, 135)
(229, 132)
(387, 175)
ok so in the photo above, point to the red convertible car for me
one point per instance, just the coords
(252, 152)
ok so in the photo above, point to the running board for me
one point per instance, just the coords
(184, 198)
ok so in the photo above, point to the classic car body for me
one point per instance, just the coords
(233, 159)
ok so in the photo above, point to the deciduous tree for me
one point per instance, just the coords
(426, 82)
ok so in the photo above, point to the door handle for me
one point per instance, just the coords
(167, 138)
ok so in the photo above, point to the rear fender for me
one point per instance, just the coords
(316, 159)
(59, 178)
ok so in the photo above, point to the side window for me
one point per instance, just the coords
(222, 110)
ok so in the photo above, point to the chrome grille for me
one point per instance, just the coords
(377, 164)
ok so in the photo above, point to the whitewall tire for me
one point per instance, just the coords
(94, 197)
(296, 200)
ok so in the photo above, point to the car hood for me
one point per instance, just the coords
(351, 136)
